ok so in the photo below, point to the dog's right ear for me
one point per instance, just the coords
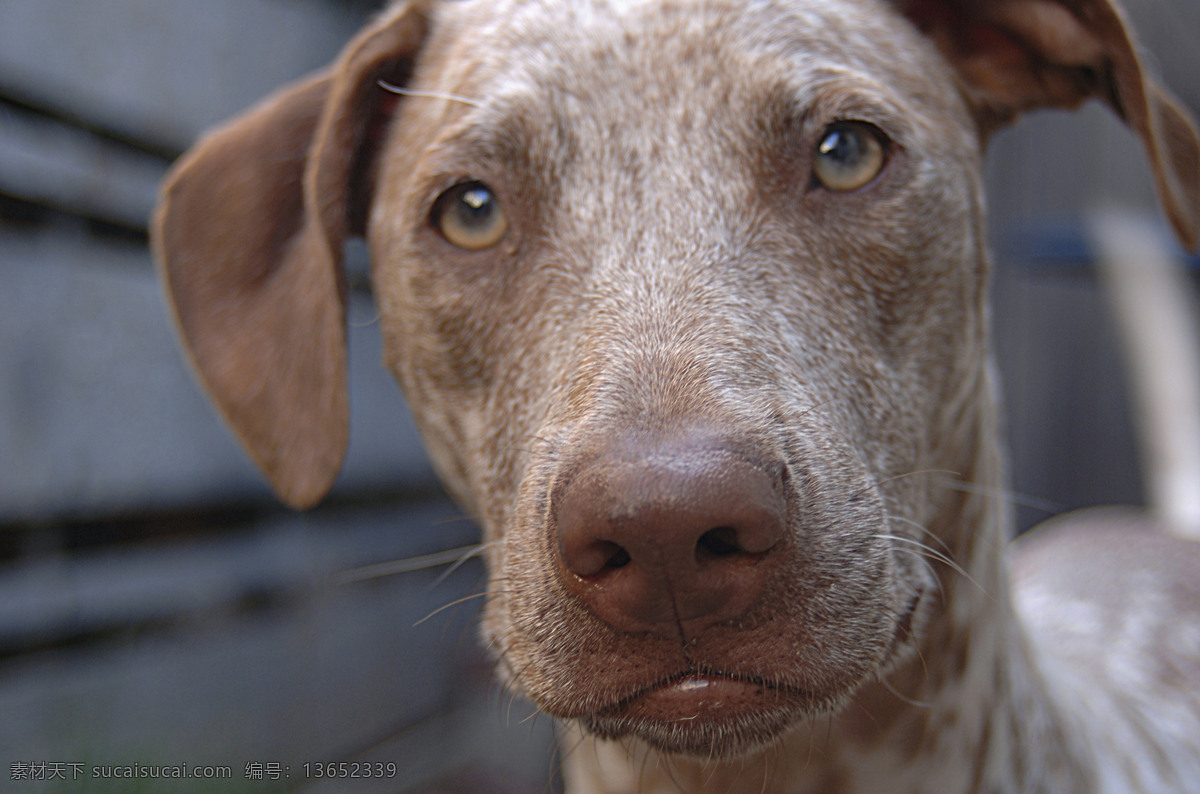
(1017, 55)
(248, 235)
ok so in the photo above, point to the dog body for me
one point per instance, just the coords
(689, 300)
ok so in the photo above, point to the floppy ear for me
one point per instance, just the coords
(248, 235)
(1014, 55)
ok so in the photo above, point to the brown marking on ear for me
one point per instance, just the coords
(248, 235)
(1016, 55)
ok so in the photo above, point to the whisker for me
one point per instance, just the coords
(513, 672)
(904, 699)
(644, 774)
(928, 551)
(906, 475)
(537, 712)
(1012, 497)
(441, 522)
(924, 530)
(917, 647)
(512, 699)
(870, 715)
(929, 569)
(711, 766)
(477, 551)
(668, 765)
(395, 89)
(453, 603)
(812, 746)
(766, 774)
(407, 565)
(936, 555)
(564, 753)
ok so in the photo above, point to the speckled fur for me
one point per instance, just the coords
(669, 266)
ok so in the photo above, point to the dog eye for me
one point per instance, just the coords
(849, 155)
(470, 216)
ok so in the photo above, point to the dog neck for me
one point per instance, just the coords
(968, 711)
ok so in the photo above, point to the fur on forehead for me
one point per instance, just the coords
(570, 40)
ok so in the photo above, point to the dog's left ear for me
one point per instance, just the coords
(1016, 55)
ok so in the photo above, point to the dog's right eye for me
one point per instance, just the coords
(470, 216)
(849, 156)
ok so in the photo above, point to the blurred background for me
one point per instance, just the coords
(158, 607)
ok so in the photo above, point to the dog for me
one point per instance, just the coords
(689, 301)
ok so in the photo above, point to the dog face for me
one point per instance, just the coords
(688, 299)
(672, 266)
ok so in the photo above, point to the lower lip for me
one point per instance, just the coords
(701, 698)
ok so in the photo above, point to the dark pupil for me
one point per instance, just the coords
(475, 206)
(843, 147)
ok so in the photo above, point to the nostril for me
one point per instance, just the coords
(615, 555)
(719, 542)
(590, 557)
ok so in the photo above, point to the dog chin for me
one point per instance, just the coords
(710, 717)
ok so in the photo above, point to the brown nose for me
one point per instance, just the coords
(670, 538)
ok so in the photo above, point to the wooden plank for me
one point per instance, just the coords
(1053, 166)
(326, 674)
(99, 413)
(49, 600)
(69, 169)
(162, 70)
(1067, 415)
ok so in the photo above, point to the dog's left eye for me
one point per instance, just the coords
(850, 154)
(470, 216)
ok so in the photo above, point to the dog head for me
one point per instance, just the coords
(683, 296)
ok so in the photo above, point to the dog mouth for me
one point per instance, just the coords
(715, 713)
(707, 713)
(701, 697)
